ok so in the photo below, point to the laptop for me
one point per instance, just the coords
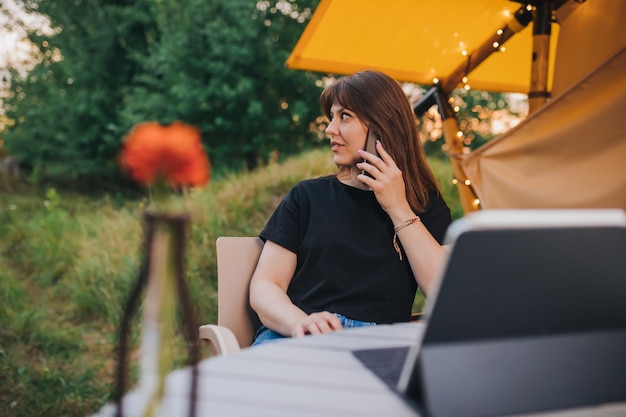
(529, 315)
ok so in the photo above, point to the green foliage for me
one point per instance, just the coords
(58, 329)
(477, 112)
(481, 116)
(65, 109)
(215, 64)
(44, 255)
(220, 66)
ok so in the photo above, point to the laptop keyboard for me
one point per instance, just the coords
(385, 363)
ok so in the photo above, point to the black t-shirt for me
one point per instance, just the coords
(346, 262)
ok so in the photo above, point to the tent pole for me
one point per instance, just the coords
(542, 21)
(453, 140)
(453, 137)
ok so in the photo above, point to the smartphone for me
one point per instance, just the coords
(370, 146)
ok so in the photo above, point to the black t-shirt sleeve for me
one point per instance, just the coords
(282, 226)
(437, 217)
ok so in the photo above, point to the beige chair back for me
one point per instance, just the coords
(237, 258)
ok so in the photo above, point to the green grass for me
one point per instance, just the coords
(67, 263)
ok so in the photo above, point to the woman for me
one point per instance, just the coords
(350, 249)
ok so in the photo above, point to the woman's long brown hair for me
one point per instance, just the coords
(379, 101)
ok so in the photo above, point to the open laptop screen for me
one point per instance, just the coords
(524, 296)
(531, 282)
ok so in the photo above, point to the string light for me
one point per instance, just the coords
(464, 79)
(464, 52)
(476, 201)
(456, 181)
(459, 134)
(435, 80)
(496, 44)
(499, 32)
(466, 87)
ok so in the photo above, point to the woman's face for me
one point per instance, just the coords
(347, 135)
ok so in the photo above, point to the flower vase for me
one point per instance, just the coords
(166, 291)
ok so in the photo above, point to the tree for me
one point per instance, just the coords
(110, 64)
(481, 116)
(65, 108)
(220, 65)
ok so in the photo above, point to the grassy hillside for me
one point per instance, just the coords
(67, 263)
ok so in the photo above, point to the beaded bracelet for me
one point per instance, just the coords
(397, 229)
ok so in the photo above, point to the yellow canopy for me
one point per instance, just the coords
(417, 41)
(570, 153)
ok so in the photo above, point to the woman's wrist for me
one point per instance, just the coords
(405, 223)
(397, 228)
(401, 216)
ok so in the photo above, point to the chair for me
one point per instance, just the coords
(237, 258)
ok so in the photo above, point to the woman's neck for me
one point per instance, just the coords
(348, 176)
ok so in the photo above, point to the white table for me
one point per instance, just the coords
(314, 376)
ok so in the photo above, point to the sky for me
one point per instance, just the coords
(10, 48)
(14, 49)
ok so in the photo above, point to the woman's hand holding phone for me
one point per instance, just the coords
(370, 146)
(388, 185)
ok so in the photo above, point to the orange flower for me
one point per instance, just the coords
(173, 153)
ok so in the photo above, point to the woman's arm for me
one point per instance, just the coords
(425, 255)
(268, 296)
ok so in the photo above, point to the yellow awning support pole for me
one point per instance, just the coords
(542, 24)
(469, 200)
(454, 142)
(440, 92)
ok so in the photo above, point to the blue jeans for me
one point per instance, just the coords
(264, 335)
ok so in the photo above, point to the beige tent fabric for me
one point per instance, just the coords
(569, 154)
(572, 152)
(591, 32)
